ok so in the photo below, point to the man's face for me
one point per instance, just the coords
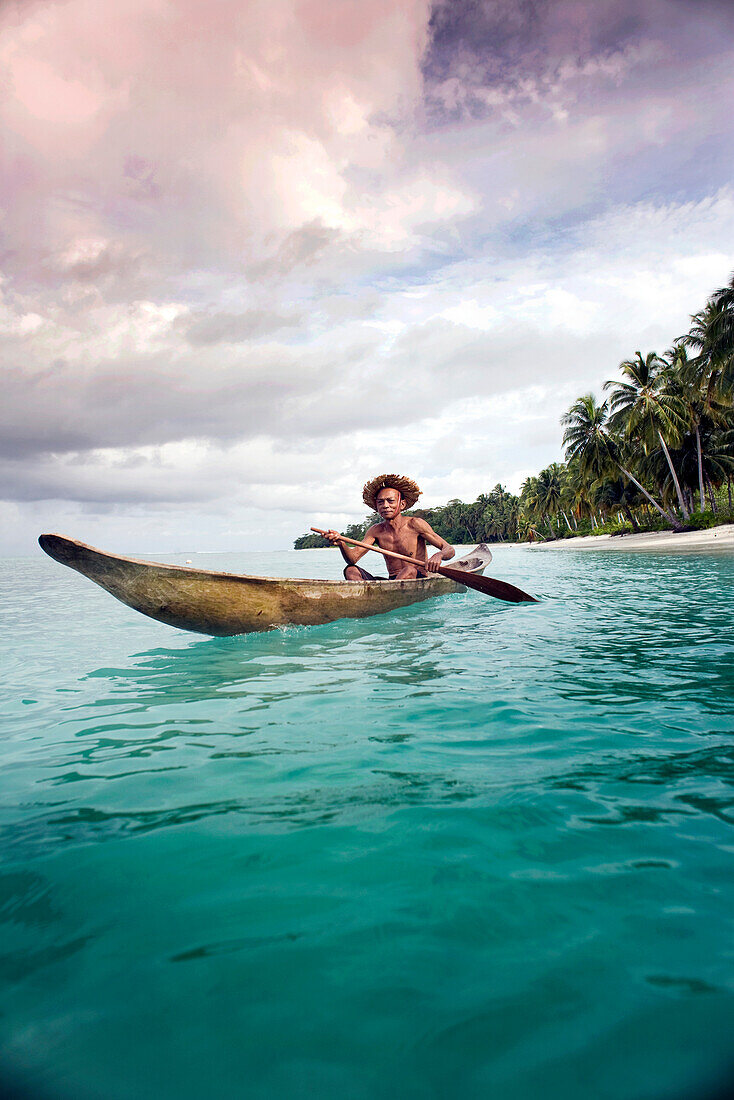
(389, 503)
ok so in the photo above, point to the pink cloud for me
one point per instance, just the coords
(200, 127)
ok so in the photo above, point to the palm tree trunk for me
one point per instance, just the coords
(677, 525)
(674, 475)
(712, 498)
(630, 516)
(700, 469)
(566, 519)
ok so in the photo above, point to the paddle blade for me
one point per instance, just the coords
(501, 590)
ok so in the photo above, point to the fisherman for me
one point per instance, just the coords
(390, 495)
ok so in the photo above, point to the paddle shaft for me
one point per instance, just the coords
(377, 549)
(501, 590)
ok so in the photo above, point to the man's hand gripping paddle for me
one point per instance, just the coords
(501, 590)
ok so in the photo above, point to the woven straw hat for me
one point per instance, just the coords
(407, 488)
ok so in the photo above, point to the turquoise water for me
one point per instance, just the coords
(466, 849)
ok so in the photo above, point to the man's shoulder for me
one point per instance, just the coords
(418, 524)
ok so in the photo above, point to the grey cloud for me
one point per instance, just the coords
(202, 329)
(79, 479)
(338, 308)
(140, 176)
(260, 474)
(581, 102)
(96, 263)
(303, 246)
(110, 269)
(165, 397)
(508, 40)
(433, 365)
(419, 380)
(322, 390)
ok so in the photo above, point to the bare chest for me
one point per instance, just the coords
(406, 541)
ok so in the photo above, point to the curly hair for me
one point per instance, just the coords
(407, 488)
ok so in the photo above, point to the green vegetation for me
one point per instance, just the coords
(661, 447)
(492, 517)
(657, 454)
(314, 542)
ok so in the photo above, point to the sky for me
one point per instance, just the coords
(254, 254)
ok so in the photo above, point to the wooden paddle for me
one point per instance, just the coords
(501, 590)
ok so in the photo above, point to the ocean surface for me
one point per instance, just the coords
(463, 850)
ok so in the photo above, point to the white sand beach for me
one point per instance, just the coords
(715, 538)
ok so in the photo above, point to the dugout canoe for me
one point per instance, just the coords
(233, 603)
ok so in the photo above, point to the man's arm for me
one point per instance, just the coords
(351, 554)
(426, 532)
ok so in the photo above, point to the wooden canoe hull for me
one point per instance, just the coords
(229, 603)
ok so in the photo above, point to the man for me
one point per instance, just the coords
(390, 495)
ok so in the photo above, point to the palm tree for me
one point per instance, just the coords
(526, 529)
(615, 494)
(712, 335)
(590, 445)
(579, 493)
(530, 501)
(586, 437)
(714, 464)
(686, 375)
(568, 498)
(645, 406)
(719, 462)
(704, 405)
(550, 490)
(710, 372)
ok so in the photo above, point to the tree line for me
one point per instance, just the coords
(492, 517)
(657, 452)
(660, 447)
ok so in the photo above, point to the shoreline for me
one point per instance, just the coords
(713, 538)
